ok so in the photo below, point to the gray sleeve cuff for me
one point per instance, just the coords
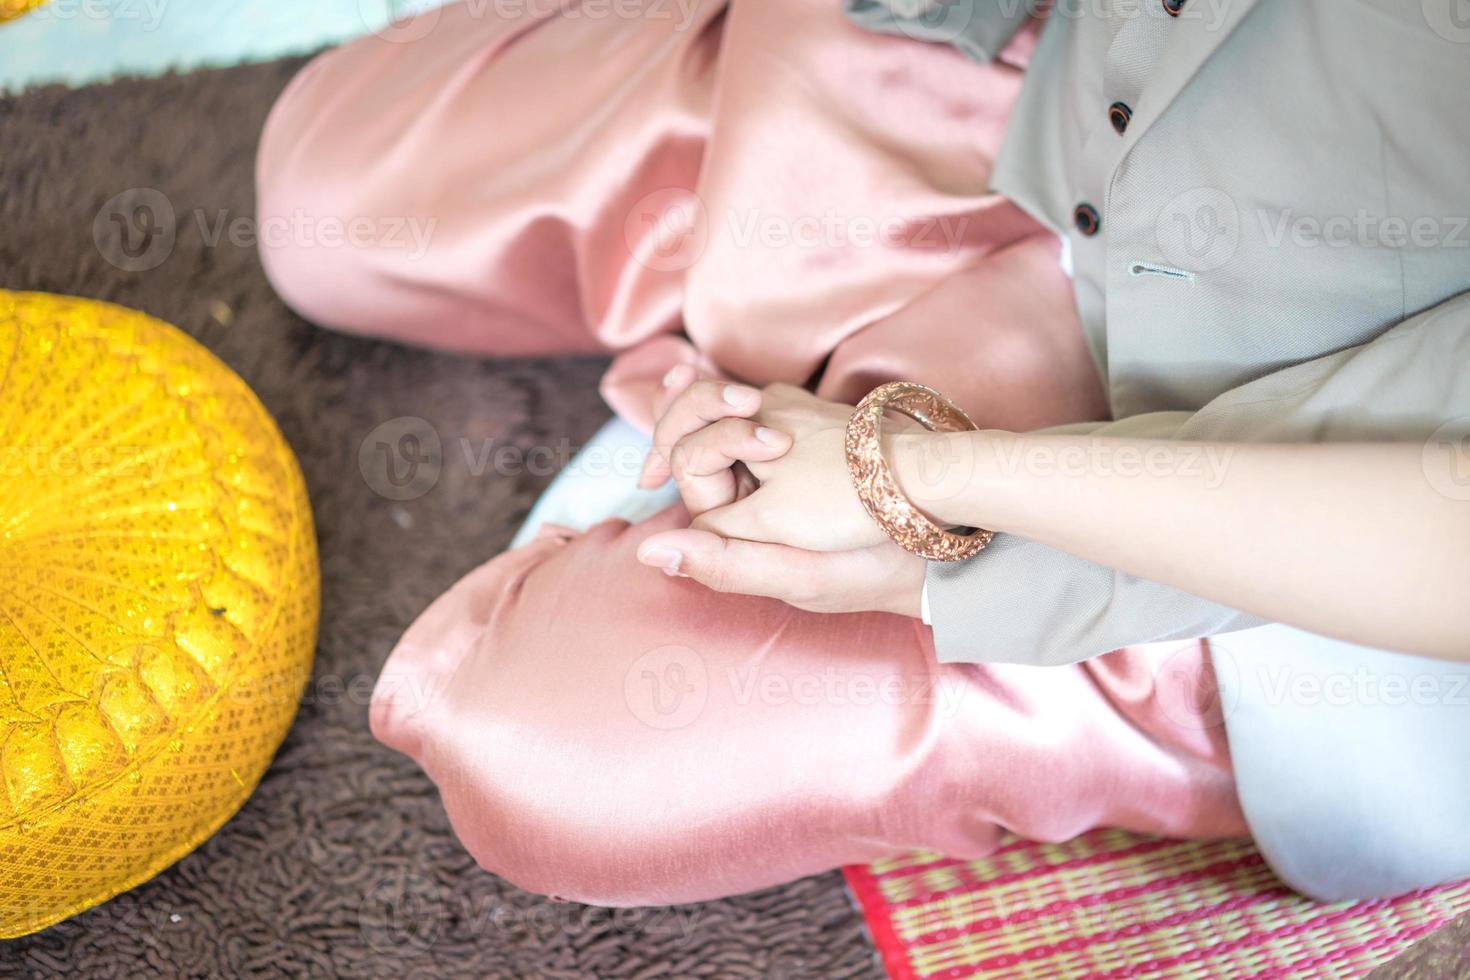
(979, 28)
(1020, 602)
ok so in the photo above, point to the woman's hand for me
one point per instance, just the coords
(761, 465)
(764, 474)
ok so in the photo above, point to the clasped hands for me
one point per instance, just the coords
(764, 477)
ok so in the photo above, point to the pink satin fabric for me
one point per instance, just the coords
(767, 178)
(771, 193)
(604, 733)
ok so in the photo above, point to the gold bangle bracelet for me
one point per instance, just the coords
(876, 488)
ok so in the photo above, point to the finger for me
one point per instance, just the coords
(703, 462)
(674, 383)
(700, 404)
(745, 481)
(740, 519)
(743, 567)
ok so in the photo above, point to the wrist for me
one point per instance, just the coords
(943, 474)
(902, 591)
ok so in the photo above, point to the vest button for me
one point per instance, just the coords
(1089, 222)
(1119, 115)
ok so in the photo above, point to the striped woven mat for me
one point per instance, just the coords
(1112, 904)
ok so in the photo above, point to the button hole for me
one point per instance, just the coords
(1169, 272)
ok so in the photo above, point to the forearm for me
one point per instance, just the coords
(1347, 540)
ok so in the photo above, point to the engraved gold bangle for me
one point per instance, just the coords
(876, 488)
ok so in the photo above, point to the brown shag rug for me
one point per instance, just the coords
(342, 863)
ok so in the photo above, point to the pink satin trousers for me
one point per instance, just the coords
(763, 189)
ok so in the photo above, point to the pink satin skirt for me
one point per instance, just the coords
(765, 190)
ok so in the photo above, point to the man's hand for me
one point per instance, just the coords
(881, 578)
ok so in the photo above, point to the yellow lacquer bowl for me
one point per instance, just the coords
(158, 600)
(11, 9)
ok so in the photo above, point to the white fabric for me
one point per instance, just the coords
(1298, 705)
(600, 482)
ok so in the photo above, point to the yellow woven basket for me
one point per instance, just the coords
(11, 9)
(158, 600)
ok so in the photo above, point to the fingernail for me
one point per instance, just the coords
(768, 436)
(666, 558)
(737, 396)
(672, 376)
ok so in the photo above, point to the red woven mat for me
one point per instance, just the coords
(1112, 904)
